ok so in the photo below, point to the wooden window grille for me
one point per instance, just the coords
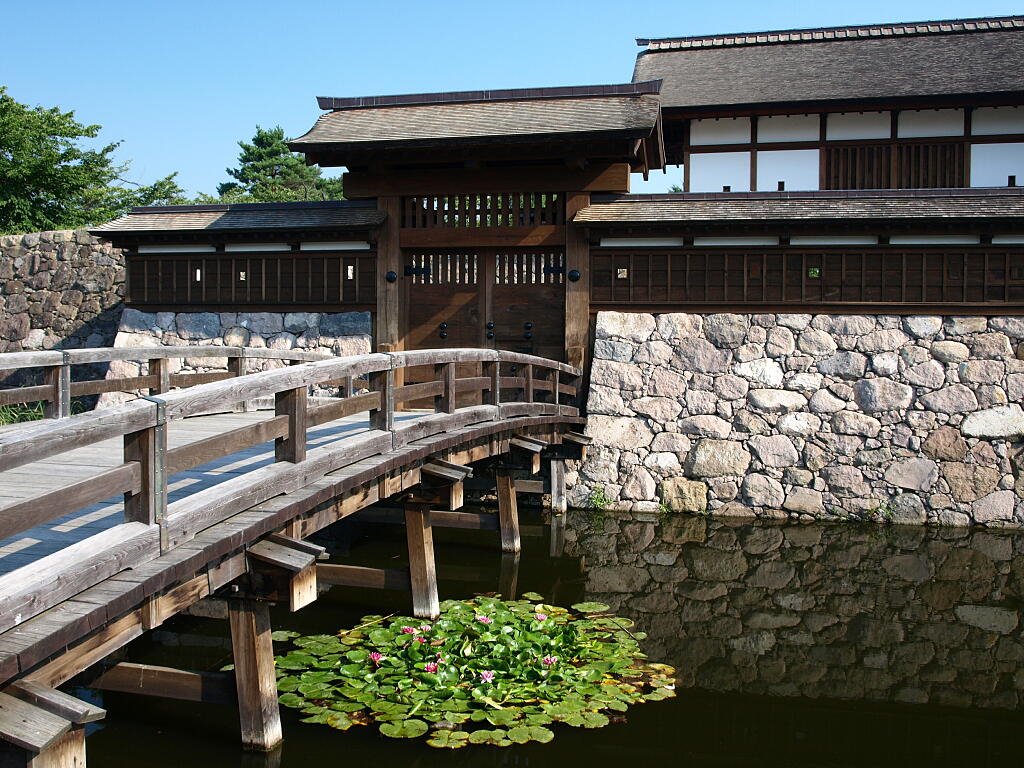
(444, 268)
(884, 277)
(321, 279)
(911, 165)
(530, 268)
(490, 209)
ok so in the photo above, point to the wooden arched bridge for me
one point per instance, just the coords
(115, 519)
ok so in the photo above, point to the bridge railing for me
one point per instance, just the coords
(544, 389)
(59, 386)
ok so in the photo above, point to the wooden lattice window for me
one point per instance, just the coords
(912, 165)
(444, 268)
(879, 276)
(530, 268)
(490, 209)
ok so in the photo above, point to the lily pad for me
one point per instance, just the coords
(448, 739)
(590, 607)
(405, 729)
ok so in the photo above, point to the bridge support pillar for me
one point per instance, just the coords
(558, 502)
(68, 751)
(508, 511)
(255, 681)
(422, 573)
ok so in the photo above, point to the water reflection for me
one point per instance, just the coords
(896, 614)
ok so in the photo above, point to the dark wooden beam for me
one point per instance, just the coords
(610, 177)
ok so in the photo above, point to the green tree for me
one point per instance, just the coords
(48, 180)
(269, 172)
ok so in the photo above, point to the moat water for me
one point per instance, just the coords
(795, 645)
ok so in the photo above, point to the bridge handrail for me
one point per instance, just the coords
(148, 462)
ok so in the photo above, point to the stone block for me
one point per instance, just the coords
(682, 495)
(716, 458)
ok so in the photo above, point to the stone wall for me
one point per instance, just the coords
(341, 334)
(901, 614)
(912, 419)
(58, 290)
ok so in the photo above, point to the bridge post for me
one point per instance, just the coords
(236, 366)
(383, 417)
(492, 370)
(68, 751)
(255, 681)
(149, 448)
(161, 368)
(422, 572)
(445, 402)
(292, 403)
(58, 378)
(508, 510)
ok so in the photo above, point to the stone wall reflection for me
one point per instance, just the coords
(840, 611)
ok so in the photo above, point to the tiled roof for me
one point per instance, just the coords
(906, 29)
(810, 206)
(433, 119)
(868, 63)
(339, 214)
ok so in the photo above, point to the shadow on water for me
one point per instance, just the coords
(796, 645)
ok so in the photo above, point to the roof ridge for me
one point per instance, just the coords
(825, 34)
(253, 206)
(647, 87)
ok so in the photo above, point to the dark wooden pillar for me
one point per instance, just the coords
(389, 328)
(577, 293)
(255, 681)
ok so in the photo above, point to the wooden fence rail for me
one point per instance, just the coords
(58, 386)
(153, 525)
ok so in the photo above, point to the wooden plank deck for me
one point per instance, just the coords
(41, 477)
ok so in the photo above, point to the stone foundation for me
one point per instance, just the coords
(340, 334)
(905, 419)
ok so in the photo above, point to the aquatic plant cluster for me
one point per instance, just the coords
(488, 671)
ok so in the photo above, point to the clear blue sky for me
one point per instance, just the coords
(181, 81)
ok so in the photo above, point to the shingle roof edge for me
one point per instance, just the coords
(825, 34)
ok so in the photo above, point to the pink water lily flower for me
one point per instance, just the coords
(430, 666)
(485, 619)
(376, 657)
(540, 616)
(487, 676)
(408, 630)
(421, 640)
(549, 661)
(425, 627)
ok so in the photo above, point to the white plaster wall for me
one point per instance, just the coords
(858, 125)
(988, 121)
(797, 167)
(992, 163)
(787, 128)
(720, 130)
(917, 123)
(709, 172)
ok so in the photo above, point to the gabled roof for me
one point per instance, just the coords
(857, 63)
(614, 210)
(257, 217)
(469, 118)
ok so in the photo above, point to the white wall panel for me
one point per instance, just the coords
(858, 125)
(798, 168)
(992, 163)
(990, 121)
(711, 171)
(720, 130)
(788, 128)
(917, 123)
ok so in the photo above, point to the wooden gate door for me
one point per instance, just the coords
(505, 299)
